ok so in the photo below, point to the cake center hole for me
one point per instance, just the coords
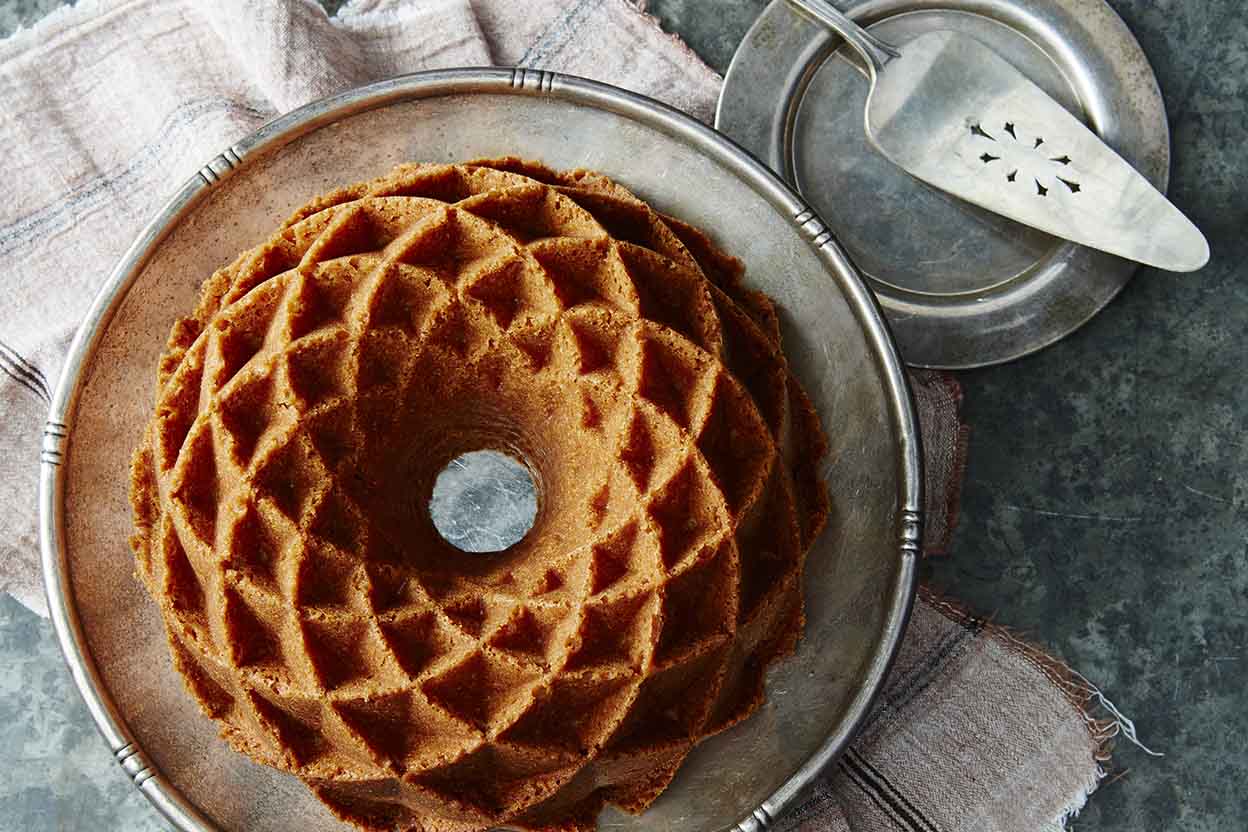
(484, 501)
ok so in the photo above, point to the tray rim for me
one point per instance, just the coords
(70, 633)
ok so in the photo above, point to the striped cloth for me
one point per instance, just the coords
(107, 106)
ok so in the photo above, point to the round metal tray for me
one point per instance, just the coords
(961, 287)
(860, 578)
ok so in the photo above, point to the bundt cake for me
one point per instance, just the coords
(304, 410)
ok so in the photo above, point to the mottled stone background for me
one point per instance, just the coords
(1105, 505)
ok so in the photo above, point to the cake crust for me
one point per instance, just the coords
(303, 411)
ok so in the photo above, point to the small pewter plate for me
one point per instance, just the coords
(860, 574)
(961, 287)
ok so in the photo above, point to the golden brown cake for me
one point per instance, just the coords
(304, 410)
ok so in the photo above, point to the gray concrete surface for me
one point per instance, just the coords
(1105, 503)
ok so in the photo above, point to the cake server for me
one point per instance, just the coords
(951, 112)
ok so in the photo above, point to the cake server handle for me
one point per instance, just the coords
(875, 52)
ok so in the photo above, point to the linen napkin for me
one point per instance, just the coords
(108, 106)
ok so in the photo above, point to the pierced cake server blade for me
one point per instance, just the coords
(951, 112)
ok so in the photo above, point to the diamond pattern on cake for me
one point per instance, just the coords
(344, 651)
(773, 538)
(573, 713)
(317, 369)
(196, 489)
(468, 614)
(699, 605)
(673, 296)
(325, 579)
(380, 723)
(686, 515)
(534, 634)
(479, 690)
(532, 212)
(528, 776)
(419, 641)
(178, 407)
(383, 356)
(675, 702)
(254, 549)
(239, 339)
(330, 430)
(535, 344)
(585, 272)
(245, 413)
(595, 343)
(292, 478)
(214, 700)
(301, 738)
(406, 298)
(615, 633)
(318, 301)
(671, 378)
(385, 725)
(250, 638)
(639, 452)
(182, 584)
(739, 468)
(621, 556)
(508, 293)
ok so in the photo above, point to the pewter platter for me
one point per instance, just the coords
(860, 578)
(960, 286)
